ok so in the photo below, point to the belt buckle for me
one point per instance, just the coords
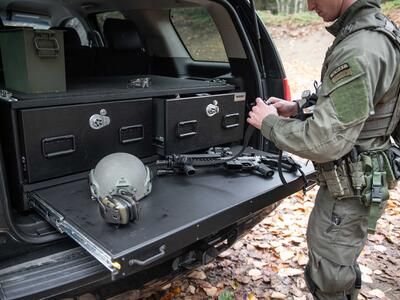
(376, 195)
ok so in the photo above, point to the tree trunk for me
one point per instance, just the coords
(290, 6)
(278, 6)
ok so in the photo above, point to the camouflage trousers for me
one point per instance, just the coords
(336, 235)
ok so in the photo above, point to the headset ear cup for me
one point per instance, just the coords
(134, 210)
(123, 208)
(114, 211)
(131, 207)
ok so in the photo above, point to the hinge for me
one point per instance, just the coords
(7, 96)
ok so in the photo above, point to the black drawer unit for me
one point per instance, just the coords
(54, 138)
(195, 123)
(62, 140)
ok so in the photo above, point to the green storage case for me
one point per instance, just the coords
(33, 60)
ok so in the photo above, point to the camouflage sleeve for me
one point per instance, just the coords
(342, 108)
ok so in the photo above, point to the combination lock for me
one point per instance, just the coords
(98, 121)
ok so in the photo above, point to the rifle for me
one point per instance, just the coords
(185, 163)
(217, 156)
(241, 162)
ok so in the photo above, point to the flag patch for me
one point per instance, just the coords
(340, 72)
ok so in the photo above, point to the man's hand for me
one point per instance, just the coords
(284, 108)
(259, 112)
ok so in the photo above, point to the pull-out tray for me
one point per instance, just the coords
(179, 211)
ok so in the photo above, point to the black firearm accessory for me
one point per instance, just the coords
(217, 156)
(307, 103)
(248, 164)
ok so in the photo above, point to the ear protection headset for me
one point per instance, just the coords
(118, 209)
(117, 183)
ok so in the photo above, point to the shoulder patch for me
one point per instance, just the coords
(340, 72)
(346, 84)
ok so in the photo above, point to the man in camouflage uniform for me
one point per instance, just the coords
(355, 110)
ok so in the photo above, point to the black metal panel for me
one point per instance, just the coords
(179, 211)
(194, 123)
(101, 89)
(69, 139)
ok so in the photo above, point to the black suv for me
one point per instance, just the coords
(84, 79)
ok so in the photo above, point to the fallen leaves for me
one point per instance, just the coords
(284, 254)
(278, 295)
(380, 248)
(269, 261)
(211, 291)
(255, 273)
(197, 275)
(290, 272)
(375, 293)
(301, 259)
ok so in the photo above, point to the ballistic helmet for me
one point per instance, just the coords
(117, 183)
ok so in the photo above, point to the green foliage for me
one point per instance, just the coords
(299, 19)
(265, 4)
(305, 18)
(390, 5)
(226, 295)
(196, 15)
(199, 34)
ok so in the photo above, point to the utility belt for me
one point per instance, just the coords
(366, 175)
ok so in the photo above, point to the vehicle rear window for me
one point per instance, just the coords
(199, 34)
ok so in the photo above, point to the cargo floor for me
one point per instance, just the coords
(179, 211)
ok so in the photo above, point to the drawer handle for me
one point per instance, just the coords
(130, 134)
(58, 146)
(230, 121)
(150, 259)
(187, 128)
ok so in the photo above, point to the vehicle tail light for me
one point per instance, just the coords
(286, 89)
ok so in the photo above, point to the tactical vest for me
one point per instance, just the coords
(385, 117)
(369, 175)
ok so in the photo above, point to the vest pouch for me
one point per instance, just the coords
(337, 180)
(356, 170)
(333, 183)
(371, 169)
(367, 189)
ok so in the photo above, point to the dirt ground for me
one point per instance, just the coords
(302, 58)
(268, 262)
